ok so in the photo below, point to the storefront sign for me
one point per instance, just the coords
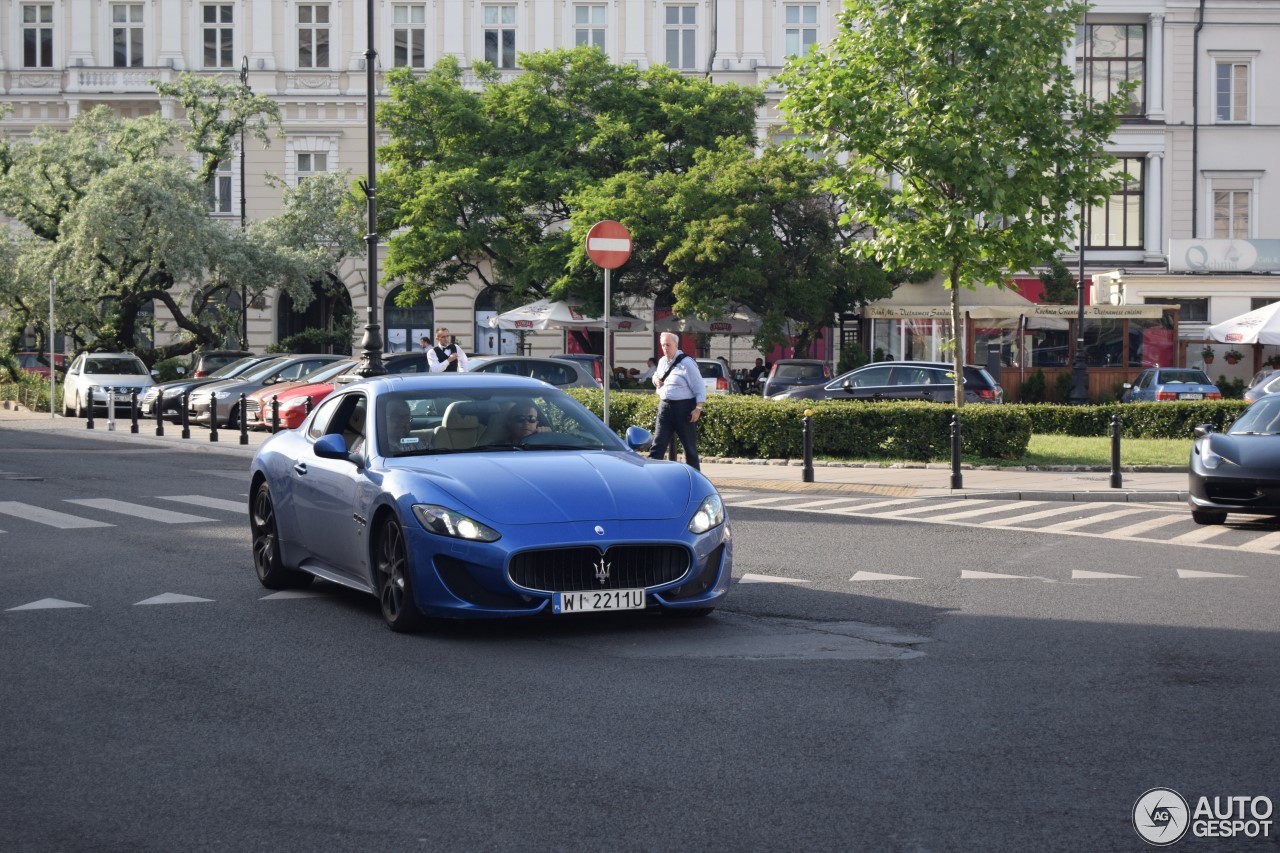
(1224, 256)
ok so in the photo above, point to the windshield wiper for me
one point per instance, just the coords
(502, 446)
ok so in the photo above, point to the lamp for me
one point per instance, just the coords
(371, 340)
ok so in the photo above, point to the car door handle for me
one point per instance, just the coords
(300, 467)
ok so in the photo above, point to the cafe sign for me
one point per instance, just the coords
(1224, 256)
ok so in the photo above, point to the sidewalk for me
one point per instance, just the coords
(932, 480)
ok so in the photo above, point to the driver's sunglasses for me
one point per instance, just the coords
(524, 419)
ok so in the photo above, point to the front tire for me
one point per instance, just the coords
(395, 586)
(267, 564)
(82, 411)
(1205, 516)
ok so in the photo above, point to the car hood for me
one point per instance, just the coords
(117, 380)
(1257, 453)
(548, 486)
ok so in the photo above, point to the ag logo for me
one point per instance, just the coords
(1160, 816)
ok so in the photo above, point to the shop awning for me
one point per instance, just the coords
(932, 301)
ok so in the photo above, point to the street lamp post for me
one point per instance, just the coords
(371, 341)
(244, 289)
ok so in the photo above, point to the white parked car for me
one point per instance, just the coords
(92, 373)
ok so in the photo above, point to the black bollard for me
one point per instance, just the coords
(133, 411)
(244, 421)
(275, 414)
(159, 410)
(186, 415)
(957, 479)
(89, 423)
(1117, 479)
(213, 416)
(807, 472)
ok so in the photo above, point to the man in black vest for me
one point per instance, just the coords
(445, 356)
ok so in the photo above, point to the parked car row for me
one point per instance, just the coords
(901, 380)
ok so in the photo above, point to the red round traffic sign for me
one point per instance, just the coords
(609, 244)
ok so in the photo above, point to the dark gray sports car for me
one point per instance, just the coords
(1237, 470)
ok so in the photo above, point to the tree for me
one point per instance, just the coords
(480, 184)
(217, 112)
(967, 146)
(1059, 284)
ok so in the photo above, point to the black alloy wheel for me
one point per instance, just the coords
(267, 564)
(395, 588)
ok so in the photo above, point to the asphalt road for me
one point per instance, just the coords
(949, 712)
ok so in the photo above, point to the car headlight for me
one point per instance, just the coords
(1208, 457)
(446, 522)
(710, 513)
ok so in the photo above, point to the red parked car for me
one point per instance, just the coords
(38, 362)
(292, 396)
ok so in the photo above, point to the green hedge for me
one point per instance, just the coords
(749, 427)
(1137, 420)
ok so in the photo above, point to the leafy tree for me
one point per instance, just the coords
(217, 111)
(480, 184)
(1059, 284)
(967, 146)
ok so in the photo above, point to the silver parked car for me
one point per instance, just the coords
(202, 406)
(559, 372)
(92, 373)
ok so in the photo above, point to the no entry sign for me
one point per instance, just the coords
(609, 244)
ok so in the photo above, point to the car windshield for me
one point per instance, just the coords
(115, 366)
(460, 420)
(799, 371)
(329, 371)
(1183, 377)
(1262, 418)
(262, 370)
(235, 368)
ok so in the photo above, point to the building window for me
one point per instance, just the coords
(1194, 310)
(1117, 222)
(311, 163)
(802, 29)
(588, 25)
(1112, 54)
(313, 35)
(1231, 91)
(500, 36)
(1231, 214)
(682, 37)
(37, 35)
(126, 35)
(220, 189)
(410, 35)
(219, 44)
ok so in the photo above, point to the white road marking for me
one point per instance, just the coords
(966, 574)
(749, 578)
(912, 510)
(1080, 575)
(1015, 520)
(1263, 543)
(1200, 534)
(969, 513)
(211, 503)
(47, 604)
(1086, 521)
(1191, 573)
(1133, 530)
(52, 518)
(761, 501)
(164, 516)
(878, 504)
(292, 593)
(172, 598)
(823, 502)
(877, 576)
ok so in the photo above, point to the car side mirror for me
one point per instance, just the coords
(1128, 385)
(181, 371)
(848, 386)
(155, 373)
(639, 439)
(1203, 430)
(332, 446)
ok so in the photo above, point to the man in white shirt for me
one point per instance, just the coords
(445, 356)
(681, 395)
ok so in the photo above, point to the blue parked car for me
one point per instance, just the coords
(1159, 384)
(483, 495)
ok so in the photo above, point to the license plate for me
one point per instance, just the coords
(595, 602)
(1190, 396)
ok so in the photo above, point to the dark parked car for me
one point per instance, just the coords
(1266, 382)
(560, 372)
(788, 373)
(1237, 470)
(1160, 384)
(174, 390)
(202, 407)
(206, 363)
(903, 380)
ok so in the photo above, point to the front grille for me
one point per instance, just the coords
(1227, 490)
(252, 407)
(575, 569)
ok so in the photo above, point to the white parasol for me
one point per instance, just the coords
(1260, 326)
(545, 314)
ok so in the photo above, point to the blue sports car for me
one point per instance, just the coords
(482, 495)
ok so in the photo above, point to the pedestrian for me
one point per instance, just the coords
(445, 356)
(681, 396)
(424, 343)
(650, 366)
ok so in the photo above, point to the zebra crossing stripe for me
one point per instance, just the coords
(163, 516)
(1144, 526)
(877, 504)
(761, 501)
(823, 502)
(1085, 522)
(912, 510)
(1200, 534)
(210, 503)
(1001, 506)
(52, 518)
(1015, 520)
(1262, 543)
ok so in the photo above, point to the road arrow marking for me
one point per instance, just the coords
(47, 604)
(292, 593)
(1189, 573)
(768, 579)
(966, 574)
(1079, 575)
(172, 598)
(877, 576)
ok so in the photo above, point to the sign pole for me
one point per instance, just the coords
(608, 371)
(53, 368)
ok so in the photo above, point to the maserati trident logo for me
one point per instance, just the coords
(602, 570)
(599, 530)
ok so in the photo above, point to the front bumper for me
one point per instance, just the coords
(1256, 495)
